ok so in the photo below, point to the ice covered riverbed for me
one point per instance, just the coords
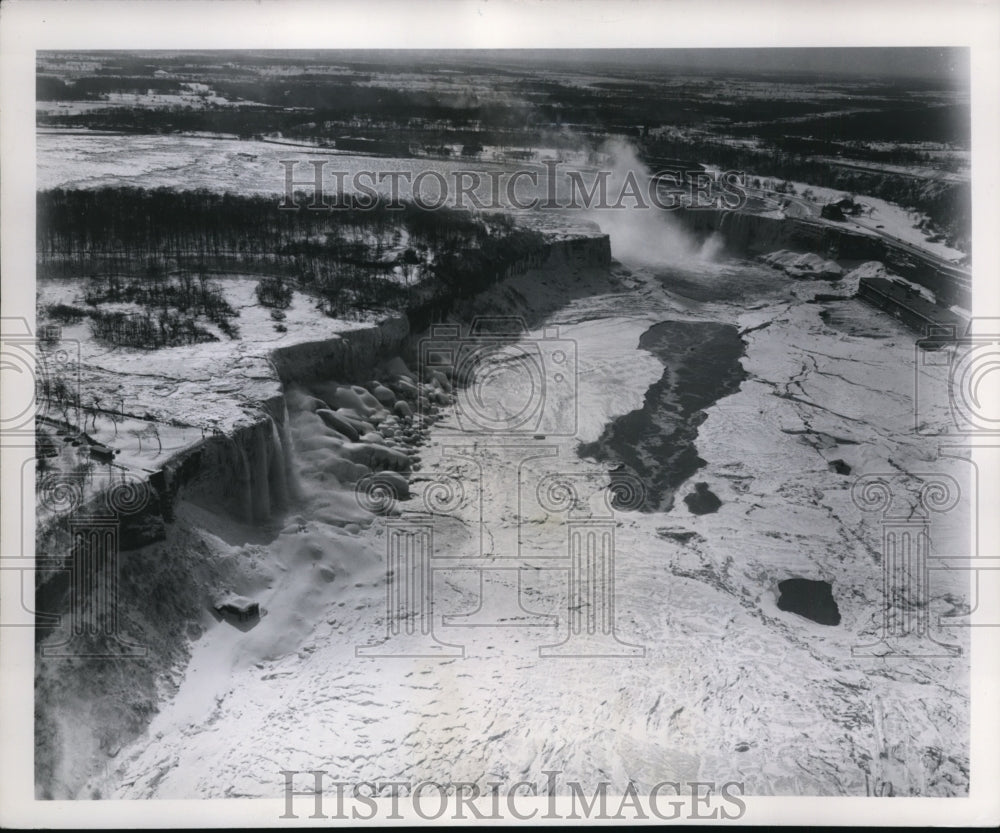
(714, 681)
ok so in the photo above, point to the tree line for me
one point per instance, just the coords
(157, 249)
(948, 204)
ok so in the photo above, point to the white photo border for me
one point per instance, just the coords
(26, 27)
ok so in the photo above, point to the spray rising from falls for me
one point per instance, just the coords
(641, 232)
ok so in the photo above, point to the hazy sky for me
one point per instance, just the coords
(874, 62)
(885, 62)
(946, 64)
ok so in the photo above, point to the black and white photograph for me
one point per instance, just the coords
(491, 432)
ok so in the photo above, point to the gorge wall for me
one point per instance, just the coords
(746, 233)
(92, 702)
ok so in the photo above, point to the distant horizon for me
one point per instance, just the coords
(942, 64)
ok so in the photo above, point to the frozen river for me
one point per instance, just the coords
(675, 663)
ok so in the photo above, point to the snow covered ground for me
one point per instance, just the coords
(191, 99)
(728, 687)
(886, 218)
(187, 391)
(69, 160)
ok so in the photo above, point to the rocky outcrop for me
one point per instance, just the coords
(746, 233)
(349, 355)
(807, 266)
(840, 467)
(580, 250)
(249, 472)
